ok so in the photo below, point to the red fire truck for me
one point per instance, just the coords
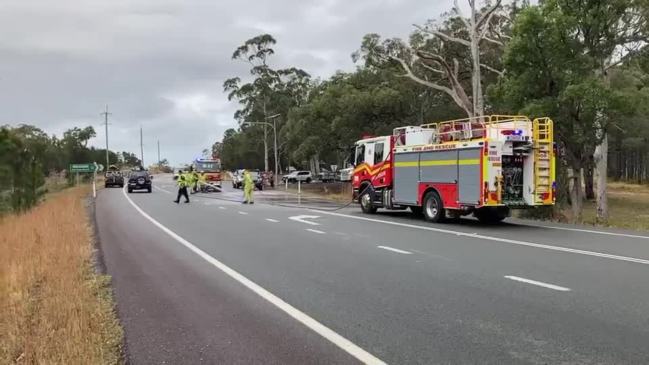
(211, 168)
(482, 166)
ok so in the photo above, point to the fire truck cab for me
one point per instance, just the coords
(482, 166)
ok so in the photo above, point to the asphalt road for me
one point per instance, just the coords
(215, 281)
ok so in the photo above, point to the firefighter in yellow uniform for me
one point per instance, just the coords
(202, 181)
(248, 188)
(193, 181)
(182, 187)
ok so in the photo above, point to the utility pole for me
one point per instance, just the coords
(141, 149)
(106, 114)
(158, 153)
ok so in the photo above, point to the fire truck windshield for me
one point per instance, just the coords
(208, 166)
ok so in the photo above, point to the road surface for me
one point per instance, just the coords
(215, 281)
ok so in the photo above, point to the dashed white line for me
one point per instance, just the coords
(222, 208)
(324, 331)
(315, 231)
(272, 220)
(495, 239)
(537, 283)
(395, 250)
(243, 213)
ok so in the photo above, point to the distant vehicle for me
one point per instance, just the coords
(139, 180)
(326, 176)
(345, 174)
(237, 179)
(114, 177)
(212, 169)
(295, 176)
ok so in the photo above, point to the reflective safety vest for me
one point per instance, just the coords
(182, 181)
(247, 181)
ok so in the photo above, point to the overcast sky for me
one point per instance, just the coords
(160, 64)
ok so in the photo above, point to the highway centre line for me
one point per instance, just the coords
(495, 239)
(537, 283)
(395, 250)
(314, 231)
(272, 220)
(163, 190)
(324, 331)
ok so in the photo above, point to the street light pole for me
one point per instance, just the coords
(274, 126)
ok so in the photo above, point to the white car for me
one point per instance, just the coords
(346, 174)
(295, 176)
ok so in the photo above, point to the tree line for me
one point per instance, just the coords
(28, 156)
(583, 63)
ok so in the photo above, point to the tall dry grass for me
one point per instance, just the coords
(54, 308)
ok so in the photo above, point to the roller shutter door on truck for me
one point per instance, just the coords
(469, 175)
(406, 177)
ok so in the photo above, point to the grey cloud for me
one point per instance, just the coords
(160, 64)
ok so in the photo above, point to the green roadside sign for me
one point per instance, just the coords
(82, 167)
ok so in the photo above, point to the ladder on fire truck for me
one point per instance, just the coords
(543, 145)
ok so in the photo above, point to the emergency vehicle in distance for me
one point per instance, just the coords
(212, 169)
(482, 166)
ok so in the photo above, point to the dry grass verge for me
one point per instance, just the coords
(628, 206)
(54, 308)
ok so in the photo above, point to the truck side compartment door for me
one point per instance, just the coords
(468, 165)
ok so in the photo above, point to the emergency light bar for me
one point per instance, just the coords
(512, 132)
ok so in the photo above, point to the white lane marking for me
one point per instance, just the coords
(302, 219)
(539, 283)
(243, 213)
(592, 231)
(315, 231)
(496, 239)
(222, 208)
(324, 331)
(161, 189)
(272, 220)
(395, 250)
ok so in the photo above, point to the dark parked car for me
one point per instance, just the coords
(139, 180)
(114, 178)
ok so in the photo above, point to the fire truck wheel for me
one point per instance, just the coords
(433, 207)
(366, 203)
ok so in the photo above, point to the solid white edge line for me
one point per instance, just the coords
(592, 231)
(314, 231)
(538, 283)
(395, 250)
(272, 220)
(295, 313)
(495, 239)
